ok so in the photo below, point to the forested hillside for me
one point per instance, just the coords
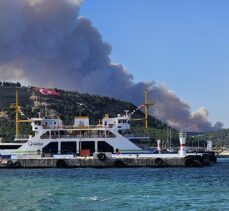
(69, 104)
(66, 106)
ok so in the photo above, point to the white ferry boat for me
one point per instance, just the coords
(51, 137)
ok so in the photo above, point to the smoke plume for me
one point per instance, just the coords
(47, 44)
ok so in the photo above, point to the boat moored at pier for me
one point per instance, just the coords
(51, 136)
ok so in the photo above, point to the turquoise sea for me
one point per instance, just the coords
(116, 189)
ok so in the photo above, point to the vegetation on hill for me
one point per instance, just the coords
(219, 138)
(66, 106)
(70, 104)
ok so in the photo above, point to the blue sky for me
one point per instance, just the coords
(181, 44)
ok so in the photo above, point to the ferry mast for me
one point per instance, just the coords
(17, 119)
(146, 106)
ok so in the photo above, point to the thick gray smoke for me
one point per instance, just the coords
(46, 43)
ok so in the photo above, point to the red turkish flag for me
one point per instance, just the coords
(47, 91)
(141, 106)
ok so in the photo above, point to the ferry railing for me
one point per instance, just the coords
(57, 127)
(76, 136)
(138, 135)
(21, 137)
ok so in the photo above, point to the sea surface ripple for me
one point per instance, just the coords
(116, 189)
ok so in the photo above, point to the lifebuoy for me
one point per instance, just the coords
(102, 156)
(158, 162)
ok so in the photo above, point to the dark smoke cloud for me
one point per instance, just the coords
(46, 43)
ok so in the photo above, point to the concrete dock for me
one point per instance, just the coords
(118, 161)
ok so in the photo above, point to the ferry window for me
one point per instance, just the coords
(62, 132)
(54, 134)
(121, 132)
(45, 135)
(68, 147)
(37, 122)
(51, 148)
(104, 147)
(90, 145)
(10, 147)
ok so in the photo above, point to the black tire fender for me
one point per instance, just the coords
(198, 162)
(10, 163)
(102, 156)
(61, 164)
(119, 164)
(17, 164)
(189, 162)
(158, 162)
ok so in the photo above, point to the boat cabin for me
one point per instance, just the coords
(119, 122)
(44, 123)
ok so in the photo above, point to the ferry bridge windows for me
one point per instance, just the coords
(90, 145)
(104, 147)
(51, 148)
(38, 123)
(68, 147)
(122, 121)
(54, 134)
